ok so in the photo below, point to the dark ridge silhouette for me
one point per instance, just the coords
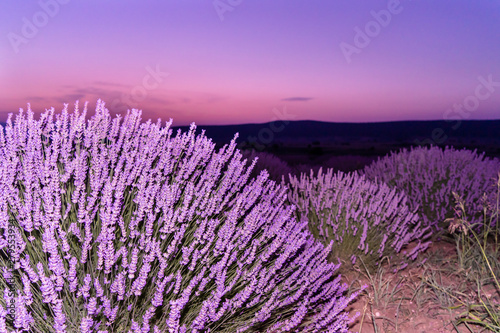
(317, 139)
(310, 129)
(405, 131)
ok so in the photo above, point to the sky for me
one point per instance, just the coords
(219, 62)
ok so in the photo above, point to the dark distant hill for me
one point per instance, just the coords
(404, 131)
(317, 138)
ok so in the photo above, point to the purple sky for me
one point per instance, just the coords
(233, 61)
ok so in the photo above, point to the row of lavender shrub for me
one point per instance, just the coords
(123, 227)
(279, 168)
(430, 175)
(365, 220)
(276, 167)
(363, 211)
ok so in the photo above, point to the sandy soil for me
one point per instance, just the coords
(415, 299)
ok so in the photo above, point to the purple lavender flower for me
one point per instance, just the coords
(429, 176)
(142, 230)
(364, 219)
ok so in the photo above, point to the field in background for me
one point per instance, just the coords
(350, 146)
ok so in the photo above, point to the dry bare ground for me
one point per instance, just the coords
(426, 298)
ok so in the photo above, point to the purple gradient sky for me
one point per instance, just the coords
(263, 56)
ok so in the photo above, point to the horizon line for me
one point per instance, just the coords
(307, 120)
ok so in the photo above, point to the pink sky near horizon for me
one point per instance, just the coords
(262, 56)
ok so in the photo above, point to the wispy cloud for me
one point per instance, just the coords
(36, 99)
(297, 99)
(112, 84)
(70, 98)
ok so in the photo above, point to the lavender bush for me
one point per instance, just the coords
(429, 176)
(345, 163)
(122, 227)
(266, 161)
(365, 220)
(348, 163)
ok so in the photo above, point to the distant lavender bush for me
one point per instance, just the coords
(120, 227)
(267, 161)
(345, 163)
(429, 176)
(365, 220)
